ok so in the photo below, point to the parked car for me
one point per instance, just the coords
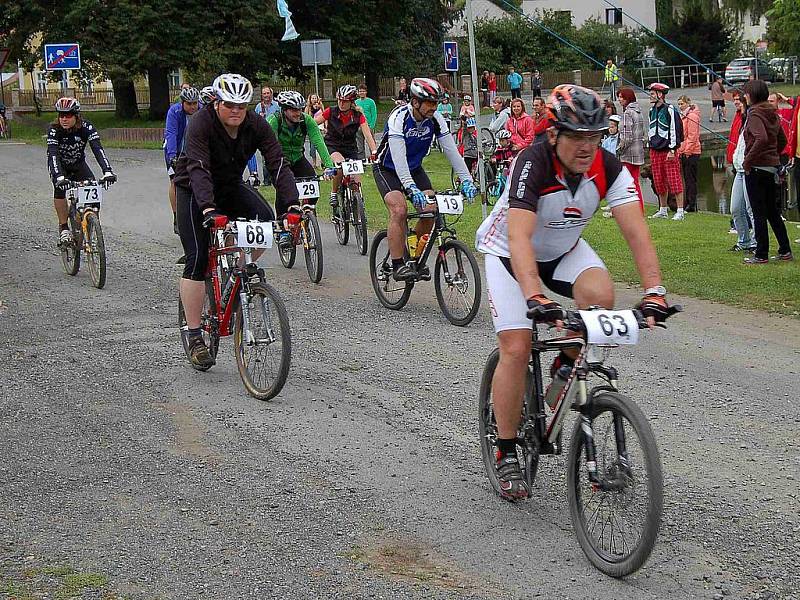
(785, 68)
(748, 67)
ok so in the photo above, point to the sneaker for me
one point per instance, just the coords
(512, 483)
(732, 230)
(404, 272)
(754, 260)
(661, 213)
(199, 354)
(65, 237)
(785, 256)
(738, 248)
(679, 216)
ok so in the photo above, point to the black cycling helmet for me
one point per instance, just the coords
(576, 108)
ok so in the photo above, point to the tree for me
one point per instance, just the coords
(782, 29)
(707, 37)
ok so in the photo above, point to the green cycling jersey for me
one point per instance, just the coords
(292, 139)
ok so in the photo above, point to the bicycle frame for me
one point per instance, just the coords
(440, 233)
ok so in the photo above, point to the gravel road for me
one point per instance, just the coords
(363, 478)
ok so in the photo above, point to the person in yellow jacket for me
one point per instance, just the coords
(611, 77)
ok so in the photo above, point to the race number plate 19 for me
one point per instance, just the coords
(90, 194)
(610, 326)
(450, 204)
(307, 189)
(352, 167)
(254, 234)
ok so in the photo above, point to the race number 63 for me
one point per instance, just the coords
(610, 326)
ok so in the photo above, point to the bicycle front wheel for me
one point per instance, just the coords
(616, 520)
(360, 223)
(457, 280)
(95, 250)
(340, 218)
(392, 294)
(313, 247)
(263, 346)
(71, 253)
(208, 323)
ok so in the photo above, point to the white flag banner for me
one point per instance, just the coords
(290, 33)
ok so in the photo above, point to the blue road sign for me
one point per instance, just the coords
(62, 57)
(451, 56)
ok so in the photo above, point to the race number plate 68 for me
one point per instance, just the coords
(450, 204)
(610, 326)
(307, 189)
(254, 234)
(90, 194)
(352, 167)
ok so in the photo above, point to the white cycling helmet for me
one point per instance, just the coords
(291, 99)
(503, 134)
(68, 105)
(208, 95)
(232, 87)
(347, 92)
(189, 95)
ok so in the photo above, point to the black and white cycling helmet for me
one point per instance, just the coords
(232, 87)
(208, 95)
(291, 99)
(347, 92)
(189, 95)
(576, 108)
(425, 89)
(68, 105)
(503, 134)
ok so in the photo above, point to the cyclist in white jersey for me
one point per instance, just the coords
(533, 237)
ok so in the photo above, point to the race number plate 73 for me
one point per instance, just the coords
(450, 204)
(90, 194)
(610, 326)
(254, 234)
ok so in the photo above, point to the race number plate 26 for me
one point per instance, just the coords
(254, 234)
(90, 194)
(610, 326)
(307, 189)
(352, 167)
(450, 204)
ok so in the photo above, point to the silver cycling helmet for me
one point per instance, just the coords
(423, 88)
(503, 134)
(208, 95)
(189, 95)
(232, 87)
(347, 92)
(291, 99)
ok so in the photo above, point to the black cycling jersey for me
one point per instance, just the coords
(213, 163)
(66, 149)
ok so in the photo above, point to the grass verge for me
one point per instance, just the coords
(58, 582)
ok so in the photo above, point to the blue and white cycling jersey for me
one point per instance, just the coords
(418, 137)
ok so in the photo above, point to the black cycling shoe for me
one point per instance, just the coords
(424, 273)
(181, 260)
(199, 354)
(404, 272)
(512, 484)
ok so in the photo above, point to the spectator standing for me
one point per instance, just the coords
(610, 107)
(776, 99)
(266, 107)
(740, 205)
(514, 83)
(521, 126)
(689, 150)
(611, 77)
(370, 111)
(665, 135)
(403, 93)
(492, 87)
(630, 147)
(314, 106)
(611, 140)
(718, 100)
(501, 114)
(541, 119)
(485, 89)
(764, 140)
(536, 83)
(794, 151)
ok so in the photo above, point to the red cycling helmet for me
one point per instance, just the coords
(658, 87)
(424, 89)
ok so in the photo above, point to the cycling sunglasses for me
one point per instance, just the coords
(234, 105)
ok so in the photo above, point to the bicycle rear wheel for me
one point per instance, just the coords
(287, 255)
(71, 253)
(457, 280)
(95, 250)
(208, 323)
(340, 218)
(313, 247)
(617, 521)
(392, 294)
(488, 142)
(360, 223)
(264, 349)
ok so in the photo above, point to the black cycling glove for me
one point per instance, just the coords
(210, 219)
(543, 310)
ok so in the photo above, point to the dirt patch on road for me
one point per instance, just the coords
(190, 435)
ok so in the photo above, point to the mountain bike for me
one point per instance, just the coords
(351, 210)
(613, 463)
(85, 199)
(240, 302)
(457, 278)
(497, 184)
(305, 232)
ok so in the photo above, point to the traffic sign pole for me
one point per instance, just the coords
(476, 102)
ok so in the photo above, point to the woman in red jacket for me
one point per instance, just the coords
(521, 126)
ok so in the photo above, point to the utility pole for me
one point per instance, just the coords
(476, 102)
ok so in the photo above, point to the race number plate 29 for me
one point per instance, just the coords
(450, 204)
(352, 167)
(254, 234)
(90, 194)
(307, 189)
(610, 326)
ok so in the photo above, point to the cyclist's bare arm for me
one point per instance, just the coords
(637, 235)
(319, 118)
(521, 225)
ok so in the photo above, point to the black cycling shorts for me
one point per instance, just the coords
(716, 103)
(241, 202)
(302, 168)
(350, 152)
(77, 172)
(388, 181)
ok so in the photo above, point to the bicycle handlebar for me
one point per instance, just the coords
(574, 322)
(76, 184)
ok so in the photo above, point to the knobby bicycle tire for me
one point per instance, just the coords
(360, 223)
(96, 250)
(207, 321)
(287, 255)
(273, 313)
(341, 223)
(71, 254)
(380, 273)
(461, 287)
(313, 248)
(630, 475)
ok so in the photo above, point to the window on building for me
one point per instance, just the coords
(175, 79)
(613, 16)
